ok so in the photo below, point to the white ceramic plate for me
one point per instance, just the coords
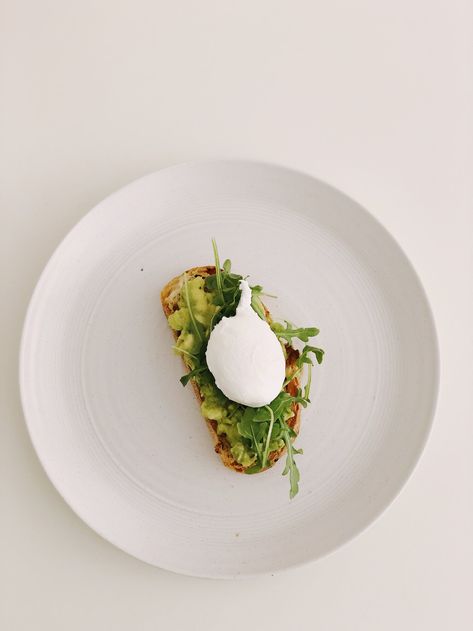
(124, 443)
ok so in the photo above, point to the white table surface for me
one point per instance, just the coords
(373, 96)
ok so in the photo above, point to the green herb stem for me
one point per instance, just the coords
(309, 380)
(293, 376)
(191, 313)
(268, 437)
(184, 352)
(218, 271)
(256, 445)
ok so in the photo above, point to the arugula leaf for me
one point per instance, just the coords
(255, 468)
(256, 303)
(228, 294)
(305, 359)
(281, 404)
(263, 425)
(244, 426)
(263, 414)
(291, 466)
(251, 430)
(191, 374)
(289, 331)
(304, 355)
(318, 352)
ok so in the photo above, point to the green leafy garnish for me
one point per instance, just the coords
(305, 359)
(191, 374)
(252, 431)
(288, 332)
(304, 356)
(256, 302)
(225, 288)
(291, 466)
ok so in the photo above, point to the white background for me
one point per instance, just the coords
(376, 97)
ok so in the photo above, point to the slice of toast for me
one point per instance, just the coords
(169, 300)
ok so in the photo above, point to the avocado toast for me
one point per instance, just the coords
(248, 440)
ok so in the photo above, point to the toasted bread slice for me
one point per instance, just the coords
(169, 300)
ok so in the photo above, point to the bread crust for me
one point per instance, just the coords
(169, 301)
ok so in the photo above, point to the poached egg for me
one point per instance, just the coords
(245, 356)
